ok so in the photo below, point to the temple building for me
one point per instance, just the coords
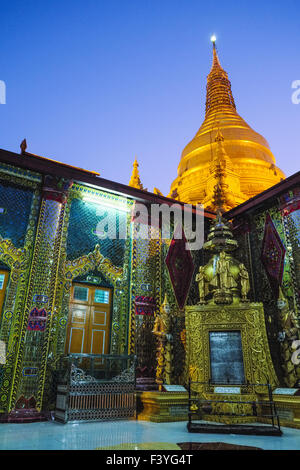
(248, 163)
(104, 316)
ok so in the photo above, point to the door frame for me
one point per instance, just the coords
(71, 300)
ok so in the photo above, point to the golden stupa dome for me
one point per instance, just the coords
(252, 166)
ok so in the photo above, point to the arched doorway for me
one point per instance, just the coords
(89, 319)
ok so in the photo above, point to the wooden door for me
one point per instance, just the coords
(89, 320)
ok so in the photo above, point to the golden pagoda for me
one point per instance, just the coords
(224, 142)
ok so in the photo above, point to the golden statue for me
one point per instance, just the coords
(223, 278)
(245, 284)
(161, 330)
(202, 285)
(227, 277)
(286, 337)
(223, 271)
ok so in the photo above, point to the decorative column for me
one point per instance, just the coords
(289, 294)
(33, 346)
(290, 211)
(146, 269)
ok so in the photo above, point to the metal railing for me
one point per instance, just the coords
(102, 367)
(96, 387)
(200, 408)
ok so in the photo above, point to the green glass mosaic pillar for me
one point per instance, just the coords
(18, 259)
(146, 273)
(35, 338)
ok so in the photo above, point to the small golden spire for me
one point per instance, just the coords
(157, 191)
(222, 198)
(165, 302)
(135, 181)
(219, 136)
(221, 156)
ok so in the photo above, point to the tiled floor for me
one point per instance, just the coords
(85, 436)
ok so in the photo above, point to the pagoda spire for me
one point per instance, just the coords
(218, 89)
(135, 181)
(216, 61)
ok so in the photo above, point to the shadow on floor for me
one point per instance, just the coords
(213, 446)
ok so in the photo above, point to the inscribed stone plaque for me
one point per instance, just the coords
(174, 388)
(227, 390)
(286, 391)
(226, 357)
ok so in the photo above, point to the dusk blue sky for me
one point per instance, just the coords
(94, 83)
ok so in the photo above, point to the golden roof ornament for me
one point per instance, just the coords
(223, 182)
(135, 181)
(220, 237)
(165, 307)
(157, 192)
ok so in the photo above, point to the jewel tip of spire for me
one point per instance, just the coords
(213, 39)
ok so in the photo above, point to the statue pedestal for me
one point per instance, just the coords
(163, 407)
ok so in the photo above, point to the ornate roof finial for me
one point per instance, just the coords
(216, 62)
(23, 146)
(219, 136)
(220, 157)
(157, 191)
(135, 181)
(222, 198)
(165, 307)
